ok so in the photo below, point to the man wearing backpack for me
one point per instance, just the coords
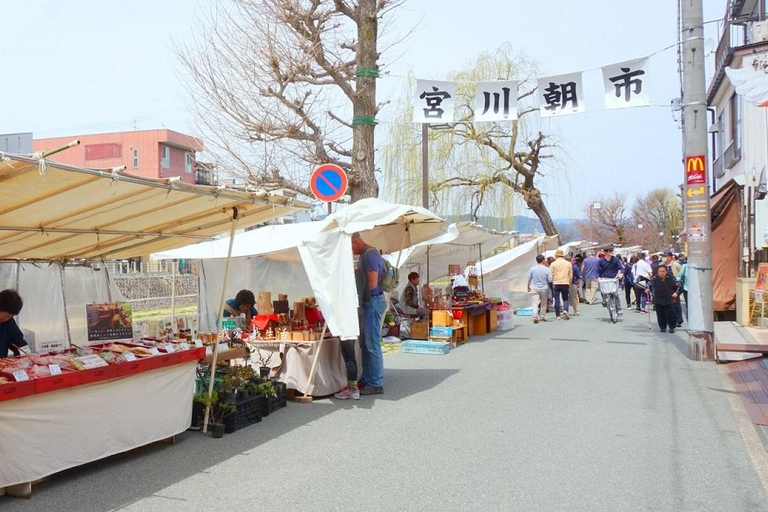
(373, 308)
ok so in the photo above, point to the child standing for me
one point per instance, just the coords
(665, 292)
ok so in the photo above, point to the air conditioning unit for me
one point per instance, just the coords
(760, 31)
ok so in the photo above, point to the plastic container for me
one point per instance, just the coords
(65, 380)
(425, 347)
(524, 311)
(441, 331)
(247, 413)
(14, 390)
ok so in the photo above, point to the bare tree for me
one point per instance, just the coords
(280, 86)
(491, 163)
(611, 222)
(661, 215)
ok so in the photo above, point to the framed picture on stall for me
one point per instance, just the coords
(109, 321)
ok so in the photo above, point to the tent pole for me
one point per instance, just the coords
(307, 398)
(64, 301)
(173, 294)
(482, 279)
(428, 248)
(218, 319)
(106, 275)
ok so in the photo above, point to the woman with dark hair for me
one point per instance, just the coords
(243, 303)
(11, 338)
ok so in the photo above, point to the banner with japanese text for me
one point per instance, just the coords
(496, 101)
(561, 95)
(626, 84)
(434, 102)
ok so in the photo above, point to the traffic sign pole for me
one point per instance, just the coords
(698, 225)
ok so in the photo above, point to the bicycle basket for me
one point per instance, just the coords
(609, 286)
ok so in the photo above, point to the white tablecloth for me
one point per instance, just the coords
(47, 433)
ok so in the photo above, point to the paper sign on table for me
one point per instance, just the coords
(209, 350)
(184, 346)
(170, 348)
(154, 351)
(54, 369)
(199, 343)
(88, 362)
(129, 356)
(20, 376)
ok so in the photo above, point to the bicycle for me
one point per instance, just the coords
(609, 289)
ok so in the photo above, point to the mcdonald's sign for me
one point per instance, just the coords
(695, 170)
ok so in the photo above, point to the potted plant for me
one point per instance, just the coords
(235, 383)
(218, 409)
(264, 368)
(267, 391)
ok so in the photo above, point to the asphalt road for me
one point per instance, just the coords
(571, 415)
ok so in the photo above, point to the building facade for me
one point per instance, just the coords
(739, 129)
(147, 153)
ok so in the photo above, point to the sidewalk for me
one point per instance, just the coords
(578, 415)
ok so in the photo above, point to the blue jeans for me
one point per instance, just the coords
(373, 357)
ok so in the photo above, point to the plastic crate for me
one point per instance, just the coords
(247, 412)
(98, 374)
(270, 404)
(202, 387)
(441, 331)
(524, 311)
(13, 390)
(425, 347)
(67, 379)
(505, 325)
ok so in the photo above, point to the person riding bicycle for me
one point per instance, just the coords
(611, 267)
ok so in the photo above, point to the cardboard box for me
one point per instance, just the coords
(442, 318)
(420, 330)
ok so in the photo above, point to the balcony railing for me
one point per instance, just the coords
(733, 37)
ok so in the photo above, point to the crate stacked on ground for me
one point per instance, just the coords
(247, 412)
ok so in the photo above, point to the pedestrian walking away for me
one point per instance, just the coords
(538, 283)
(561, 271)
(573, 296)
(665, 293)
(590, 274)
(641, 271)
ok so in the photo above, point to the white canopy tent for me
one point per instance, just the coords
(572, 248)
(313, 258)
(462, 242)
(506, 274)
(57, 221)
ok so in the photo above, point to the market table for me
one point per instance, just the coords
(46, 433)
(480, 318)
(296, 363)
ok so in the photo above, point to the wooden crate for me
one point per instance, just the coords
(442, 318)
(420, 330)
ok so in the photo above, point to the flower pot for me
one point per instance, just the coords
(264, 371)
(217, 430)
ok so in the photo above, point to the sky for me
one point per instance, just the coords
(97, 66)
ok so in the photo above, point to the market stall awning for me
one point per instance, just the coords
(463, 242)
(53, 211)
(388, 227)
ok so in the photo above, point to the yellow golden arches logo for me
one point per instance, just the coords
(694, 164)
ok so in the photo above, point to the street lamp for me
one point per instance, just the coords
(595, 206)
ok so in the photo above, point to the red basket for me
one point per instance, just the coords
(16, 390)
(65, 380)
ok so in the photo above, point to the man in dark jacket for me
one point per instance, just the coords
(665, 292)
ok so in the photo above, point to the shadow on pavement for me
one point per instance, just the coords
(402, 383)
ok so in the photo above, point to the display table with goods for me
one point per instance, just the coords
(66, 409)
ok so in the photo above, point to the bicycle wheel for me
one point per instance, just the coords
(612, 309)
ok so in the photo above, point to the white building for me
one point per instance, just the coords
(739, 143)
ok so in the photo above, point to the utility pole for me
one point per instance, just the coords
(696, 199)
(425, 165)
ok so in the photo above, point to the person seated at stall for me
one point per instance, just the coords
(409, 300)
(243, 303)
(11, 338)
